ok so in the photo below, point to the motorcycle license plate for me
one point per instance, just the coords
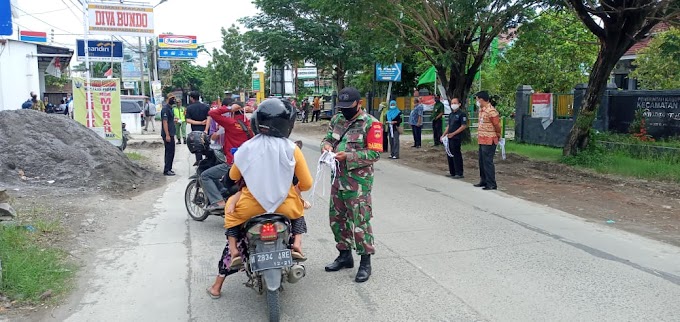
(268, 260)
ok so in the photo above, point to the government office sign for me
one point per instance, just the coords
(120, 20)
(100, 50)
(388, 73)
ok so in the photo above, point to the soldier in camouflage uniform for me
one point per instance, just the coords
(356, 138)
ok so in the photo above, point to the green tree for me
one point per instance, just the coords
(231, 66)
(453, 35)
(552, 53)
(618, 25)
(325, 32)
(658, 65)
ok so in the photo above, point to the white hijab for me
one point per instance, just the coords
(268, 166)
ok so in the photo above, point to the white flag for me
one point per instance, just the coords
(54, 68)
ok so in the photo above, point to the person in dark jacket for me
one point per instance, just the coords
(394, 119)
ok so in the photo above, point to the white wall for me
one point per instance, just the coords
(18, 74)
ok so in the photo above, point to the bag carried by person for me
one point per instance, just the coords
(150, 110)
(400, 129)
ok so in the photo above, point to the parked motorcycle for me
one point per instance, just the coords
(269, 262)
(195, 199)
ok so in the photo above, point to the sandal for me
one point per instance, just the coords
(212, 296)
(236, 262)
(298, 256)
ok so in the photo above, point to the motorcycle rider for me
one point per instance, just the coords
(236, 132)
(267, 163)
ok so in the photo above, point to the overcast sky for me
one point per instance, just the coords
(202, 18)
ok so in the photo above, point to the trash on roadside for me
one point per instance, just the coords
(609, 221)
(30, 228)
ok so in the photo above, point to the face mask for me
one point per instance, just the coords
(479, 104)
(349, 113)
(171, 101)
(455, 107)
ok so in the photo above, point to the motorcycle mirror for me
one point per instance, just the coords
(299, 143)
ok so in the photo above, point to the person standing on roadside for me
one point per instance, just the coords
(416, 122)
(394, 120)
(317, 109)
(305, 110)
(38, 105)
(355, 137)
(454, 134)
(383, 121)
(437, 118)
(197, 116)
(149, 115)
(167, 133)
(488, 134)
(180, 112)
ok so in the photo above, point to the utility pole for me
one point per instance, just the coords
(141, 64)
(88, 93)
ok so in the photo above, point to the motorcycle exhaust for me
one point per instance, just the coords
(296, 273)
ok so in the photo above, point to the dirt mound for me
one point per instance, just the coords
(50, 149)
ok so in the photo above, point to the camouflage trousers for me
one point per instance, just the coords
(350, 220)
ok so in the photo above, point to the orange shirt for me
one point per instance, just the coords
(247, 206)
(489, 126)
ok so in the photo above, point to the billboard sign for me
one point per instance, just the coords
(6, 27)
(104, 116)
(120, 20)
(100, 50)
(178, 54)
(175, 41)
(307, 73)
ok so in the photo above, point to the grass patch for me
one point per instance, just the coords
(135, 156)
(30, 267)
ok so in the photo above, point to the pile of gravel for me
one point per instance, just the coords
(52, 149)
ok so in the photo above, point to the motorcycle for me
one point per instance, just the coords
(268, 261)
(195, 199)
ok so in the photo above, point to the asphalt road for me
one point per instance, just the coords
(446, 251)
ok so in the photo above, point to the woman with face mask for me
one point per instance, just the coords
(394, 119)
(383, 121)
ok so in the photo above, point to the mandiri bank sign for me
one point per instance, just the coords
(120, 19)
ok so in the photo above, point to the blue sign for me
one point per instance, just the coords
(178, 53)
(163, 64)
(390, 73)
(131, 71)
(100, 50)
(5, 18)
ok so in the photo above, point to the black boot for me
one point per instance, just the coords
(364, 271)
(344, 260)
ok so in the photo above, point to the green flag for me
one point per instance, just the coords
(428, 77)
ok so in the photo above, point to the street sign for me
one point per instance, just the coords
(390, 73)
(120, 19)
(163, 64)
(33, 36)
(256, 82)
(129, 85)
(5, 18)
(175, 41)
(178, 54)
(131, 71)
(100, 50)
(309, 83)
(307, 73)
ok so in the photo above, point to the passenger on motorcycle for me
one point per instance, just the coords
(267, 164)
(236, 132)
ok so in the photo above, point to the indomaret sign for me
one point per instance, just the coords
(122, 20)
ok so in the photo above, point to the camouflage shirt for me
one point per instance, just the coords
(362, 143)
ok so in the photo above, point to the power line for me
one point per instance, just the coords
(34, 17)
(71, 10)
(44, 12)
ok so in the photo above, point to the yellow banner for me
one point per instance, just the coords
(105, 101)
